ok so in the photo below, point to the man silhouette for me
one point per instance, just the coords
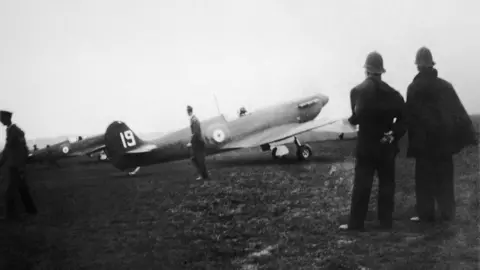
(197, 144)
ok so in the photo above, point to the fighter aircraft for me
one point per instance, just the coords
(72, 147)
(267, 128)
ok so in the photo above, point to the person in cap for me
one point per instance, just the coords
(242, 111)
(14, 156)
(378, 110)
(51, 157)
(438, 128)
(197, 144)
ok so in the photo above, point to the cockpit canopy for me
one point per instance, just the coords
(74, 139)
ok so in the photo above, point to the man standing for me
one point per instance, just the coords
(197, 144)
(50, 157)
(438, 128)
(378, 110)
(15, 156)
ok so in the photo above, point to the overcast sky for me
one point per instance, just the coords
(69, 67)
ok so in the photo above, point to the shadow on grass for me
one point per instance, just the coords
(263, 161)
(138, 175)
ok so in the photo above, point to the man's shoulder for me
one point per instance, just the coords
(366, 85)
(12, 128)
(444, 83)
(16, 128)
(425, 83)
(387, 86)
(194, 119)
(15, 131)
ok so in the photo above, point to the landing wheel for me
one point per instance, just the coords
(304, 152)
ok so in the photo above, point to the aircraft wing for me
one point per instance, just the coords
(142, 149)
(284, 132)
(87, 151)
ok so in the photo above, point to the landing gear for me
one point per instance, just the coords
(279, 152)
(274, 153)
(304, 151)
(102, 157)
(132, 173)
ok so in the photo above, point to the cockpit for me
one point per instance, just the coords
(74, 139)
(231, 116)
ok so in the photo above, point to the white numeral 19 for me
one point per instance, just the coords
(128, 139)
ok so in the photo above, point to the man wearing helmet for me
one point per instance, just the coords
(438, 128)
(378, 110)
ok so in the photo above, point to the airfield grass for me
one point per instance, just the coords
(255, 213)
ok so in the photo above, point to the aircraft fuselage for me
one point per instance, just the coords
(66, 149)
(173, 146)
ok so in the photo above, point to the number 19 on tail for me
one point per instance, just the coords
(128, 139)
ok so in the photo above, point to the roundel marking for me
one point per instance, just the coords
(218, 135)
(65, 149)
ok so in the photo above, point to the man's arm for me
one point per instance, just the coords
(8, 144)
(415, 116)
(400, 126)
(2, 158)
(462, 119)
(196, 129)
(354, 93)
(358, 100)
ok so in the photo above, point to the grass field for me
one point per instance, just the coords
(256, 213)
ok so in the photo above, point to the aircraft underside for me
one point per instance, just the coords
(303, 152)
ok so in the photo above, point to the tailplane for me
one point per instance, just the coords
(120, 140)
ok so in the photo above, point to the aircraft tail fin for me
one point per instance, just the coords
(120, 141)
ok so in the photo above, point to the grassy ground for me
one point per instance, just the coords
(254, 214)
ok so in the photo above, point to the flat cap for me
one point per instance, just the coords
(189, 108)
(5, 114)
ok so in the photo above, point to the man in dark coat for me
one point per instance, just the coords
(15, 156)
(378, 110)
(438, 128)
(197, 145)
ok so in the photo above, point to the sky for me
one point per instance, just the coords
(73, 67)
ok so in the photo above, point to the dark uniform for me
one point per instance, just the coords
(378, 110)
(15, 156)
(198, 145)
(438, 128)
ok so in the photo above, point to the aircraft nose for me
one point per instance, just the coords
(323, 99)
